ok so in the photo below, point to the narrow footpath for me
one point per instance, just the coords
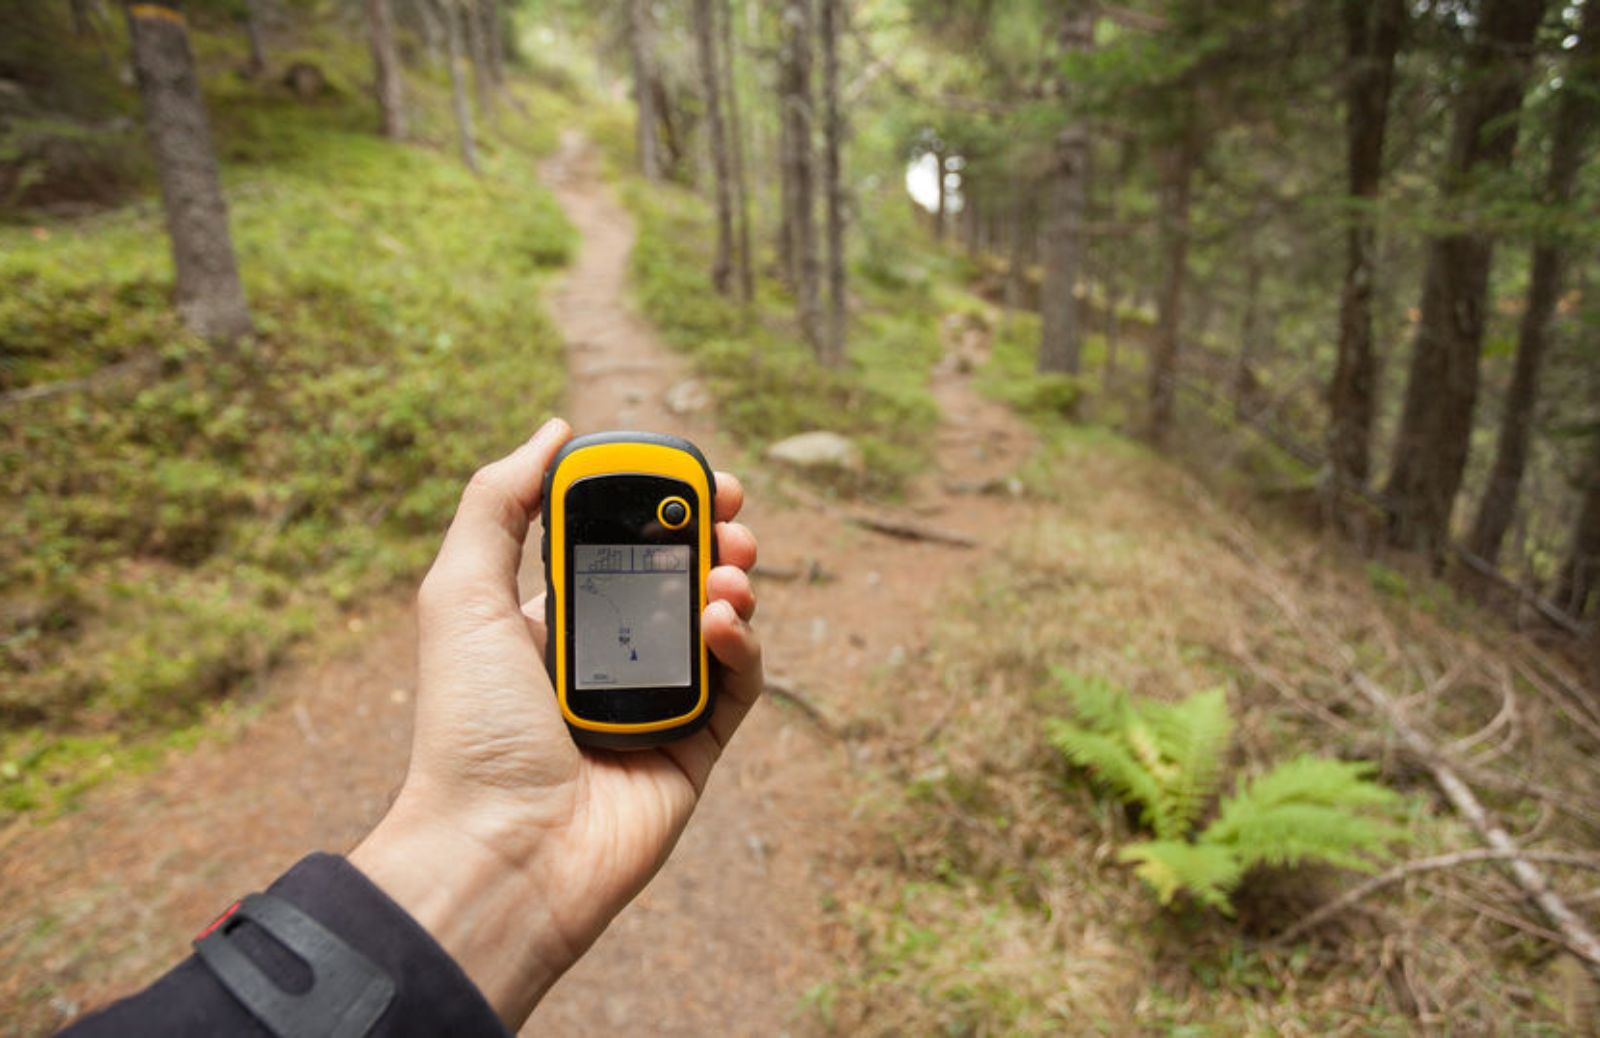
(730, 936)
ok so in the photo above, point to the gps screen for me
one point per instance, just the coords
(631, 615)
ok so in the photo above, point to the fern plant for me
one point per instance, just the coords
(1168, 758)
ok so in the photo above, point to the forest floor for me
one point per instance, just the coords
(892, 846)
(729, 937)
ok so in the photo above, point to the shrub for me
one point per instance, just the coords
(1168, 759)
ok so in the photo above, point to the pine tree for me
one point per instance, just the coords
(386, 64)
(716, 140)
(1373, 34)
(1577, 108)
(209, 295)
(1430, 453)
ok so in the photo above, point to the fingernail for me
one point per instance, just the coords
(551, 427)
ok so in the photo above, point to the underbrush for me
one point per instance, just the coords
(176, 526)
(989, 898)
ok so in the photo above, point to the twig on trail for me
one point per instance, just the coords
(809, 570)
(1456, 859)
(780, 689)
(903, 529)
(910, 531)
(136, 366)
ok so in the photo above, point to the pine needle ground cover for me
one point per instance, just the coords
(167, 534)
(989, 896)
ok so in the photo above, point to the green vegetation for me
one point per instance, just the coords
(764, 378)
(1168, 758)
(174, 529)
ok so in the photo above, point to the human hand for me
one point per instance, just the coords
(509, 844)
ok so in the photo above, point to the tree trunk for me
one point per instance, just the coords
(1177, 189)
(1580, 577)
(705, 44)
(458, 85)
(943, 206)
(493, 14)
(1016, 261)
(1244, 373)
(641, 40)
(795, 95)
(1574, 122)
(834, 18)
(478, 49)
(386, 64)
(252, 26)
(432, 32)
(741, 193)
(1442, 386)
(1373, 31)
(209, 295)
(1059, 338)
(83, 24)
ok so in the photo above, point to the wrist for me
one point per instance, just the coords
(484, 908)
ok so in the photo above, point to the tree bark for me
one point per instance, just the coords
(1442, 386)
(1060, 339)
(794, 85)
(252, 26)
(1244, 372)
(1575, 119)
(478, 48)
(705, 44)
(1060, 343)
(390, 86)
(834, 20)
(458, 86)
(1580, 577)
(1177, 190)
(493, 14)
(83, 23)
(641, 41)
(741, 193)
(1373, 32)
(432, 32)
(209, 296)
(943, 205)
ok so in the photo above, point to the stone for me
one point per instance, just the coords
(687, 397)
(819, 450)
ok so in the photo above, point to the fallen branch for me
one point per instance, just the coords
(1570, 925)
(910, 531)
(779, 689)
(27, 394)
(1365, 889)
(1574, 931)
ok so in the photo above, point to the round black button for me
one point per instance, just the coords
(674, 513)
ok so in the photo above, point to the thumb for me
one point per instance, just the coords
(478, 561)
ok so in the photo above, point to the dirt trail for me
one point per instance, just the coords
(729, 936)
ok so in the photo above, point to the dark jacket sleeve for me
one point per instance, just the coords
(433, 996)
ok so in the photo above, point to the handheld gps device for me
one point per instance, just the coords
(627, 547)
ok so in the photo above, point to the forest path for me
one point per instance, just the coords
(730, 935)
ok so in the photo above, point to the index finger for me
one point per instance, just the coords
(730, 496)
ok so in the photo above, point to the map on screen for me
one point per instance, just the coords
(631, 615)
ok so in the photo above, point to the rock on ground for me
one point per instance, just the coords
(819, 450)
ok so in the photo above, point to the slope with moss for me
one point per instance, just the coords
(170, 530)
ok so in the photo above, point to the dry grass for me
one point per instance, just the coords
(989, 900)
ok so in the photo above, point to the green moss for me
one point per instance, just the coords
(172, 530)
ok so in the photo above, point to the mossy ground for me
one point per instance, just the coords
(169, 533)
